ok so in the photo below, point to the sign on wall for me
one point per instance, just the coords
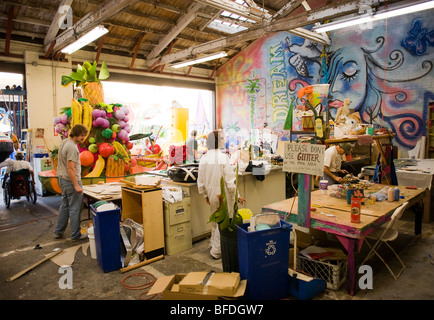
(304, 158)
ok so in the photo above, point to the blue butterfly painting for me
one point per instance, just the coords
(418, 39)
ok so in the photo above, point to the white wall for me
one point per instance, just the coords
(45, 94)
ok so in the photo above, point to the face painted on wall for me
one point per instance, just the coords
(347, 78)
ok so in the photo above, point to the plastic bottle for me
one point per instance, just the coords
(396, 194)
(390, 195)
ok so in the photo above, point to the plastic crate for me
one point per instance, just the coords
(333, 272)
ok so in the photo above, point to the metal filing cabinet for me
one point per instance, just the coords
(177, 226)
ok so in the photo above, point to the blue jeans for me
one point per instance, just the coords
(70, 208)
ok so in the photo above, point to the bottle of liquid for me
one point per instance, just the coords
(318, 127)
(390, 195)
(396, 194)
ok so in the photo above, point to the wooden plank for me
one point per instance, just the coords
(24, 271)
(9, 29)
(100, 43)
(136, 49)
(304, 196)
(180, 25)
(55, 23)
(300, 20)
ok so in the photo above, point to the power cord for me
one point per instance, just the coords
(150, 280)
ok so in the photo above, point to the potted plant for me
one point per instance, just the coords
(227, 227)
(87, 78)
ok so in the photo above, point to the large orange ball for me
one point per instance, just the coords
(86, 158)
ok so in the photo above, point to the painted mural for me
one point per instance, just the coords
(386, 72)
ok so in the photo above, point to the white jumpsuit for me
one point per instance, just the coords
(212, 166)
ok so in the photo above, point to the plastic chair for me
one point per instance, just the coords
(384, 235)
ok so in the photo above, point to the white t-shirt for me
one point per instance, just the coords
(332, 159)
(18, 165)
(212, 166)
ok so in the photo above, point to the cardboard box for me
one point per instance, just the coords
(168, 287)
(213, 283)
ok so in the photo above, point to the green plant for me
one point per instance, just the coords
(54, 153)
(86, 74)
(221, 215)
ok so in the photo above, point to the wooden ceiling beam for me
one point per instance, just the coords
(33, 21)
(136, 50)
(167, 52)
(180, 25)
(92, 19)
(56, 22)
(11, 13)
(287, 9)
(254, 12)
(331, 11)
(100, 43)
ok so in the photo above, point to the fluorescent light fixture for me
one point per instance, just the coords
(92, 35)
(378, 16)
(199, 60)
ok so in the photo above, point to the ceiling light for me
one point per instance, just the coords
(92, 35)
(378, 16)
(199, 60)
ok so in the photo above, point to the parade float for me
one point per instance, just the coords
(105, 154)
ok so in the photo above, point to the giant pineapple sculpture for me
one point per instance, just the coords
(105, 152)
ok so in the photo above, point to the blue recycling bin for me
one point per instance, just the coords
(107, 238)
(263, 258)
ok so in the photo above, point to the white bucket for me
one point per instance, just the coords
(91, 236)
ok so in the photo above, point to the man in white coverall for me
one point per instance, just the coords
(212, 166)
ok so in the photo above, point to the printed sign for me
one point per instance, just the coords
(304, 158)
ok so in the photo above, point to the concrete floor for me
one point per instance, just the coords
(25, 226)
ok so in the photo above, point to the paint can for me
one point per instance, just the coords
(355, 209)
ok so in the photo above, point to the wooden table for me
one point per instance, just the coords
(338, 219)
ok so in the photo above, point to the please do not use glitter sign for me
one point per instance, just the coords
(304, 158)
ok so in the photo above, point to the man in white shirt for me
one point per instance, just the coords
(333, 157)
(19, 164)
(212, 166)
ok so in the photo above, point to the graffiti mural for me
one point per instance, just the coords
(386, 72)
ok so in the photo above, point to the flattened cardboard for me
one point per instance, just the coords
(168, 286)
(216, 283)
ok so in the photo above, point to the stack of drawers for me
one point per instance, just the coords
(177, 226)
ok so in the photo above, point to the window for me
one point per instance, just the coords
(151, 108)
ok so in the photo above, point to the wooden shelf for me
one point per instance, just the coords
(354, 139)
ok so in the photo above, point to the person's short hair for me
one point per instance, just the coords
(212, 141)
(19, 155)
(346, 146)
(193, 133)
(78, 130)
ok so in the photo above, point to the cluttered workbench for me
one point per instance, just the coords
(332, 215)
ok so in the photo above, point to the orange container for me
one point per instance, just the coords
(355, 209)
